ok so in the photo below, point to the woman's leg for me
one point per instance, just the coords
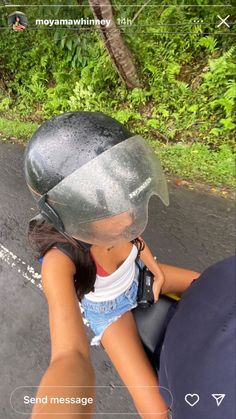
(123, 345)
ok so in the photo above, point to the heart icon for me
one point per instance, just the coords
(192, 399)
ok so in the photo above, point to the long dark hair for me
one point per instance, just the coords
(43, 236)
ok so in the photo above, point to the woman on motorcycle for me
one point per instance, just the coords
(92, 181)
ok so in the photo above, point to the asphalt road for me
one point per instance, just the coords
(196, 230)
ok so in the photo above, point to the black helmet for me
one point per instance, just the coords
(89, 167)
(65, 143)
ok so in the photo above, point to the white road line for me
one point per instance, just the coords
(17, 263)
(25, 270)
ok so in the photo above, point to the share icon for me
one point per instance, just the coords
(218, 398)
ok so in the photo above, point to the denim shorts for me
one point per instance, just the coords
(99, 315)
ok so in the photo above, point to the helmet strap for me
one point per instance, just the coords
(51, 216)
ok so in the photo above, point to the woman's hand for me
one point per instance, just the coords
(157, 285)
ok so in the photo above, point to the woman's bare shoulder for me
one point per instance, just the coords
(57, 269)
(57, 256)
(62, 256)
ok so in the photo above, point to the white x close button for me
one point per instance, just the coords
(223, 21)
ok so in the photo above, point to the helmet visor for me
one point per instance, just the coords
(106, 200)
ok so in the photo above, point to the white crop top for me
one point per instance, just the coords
(111, 286)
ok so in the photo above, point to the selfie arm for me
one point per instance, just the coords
(67, 379)
(70, 373)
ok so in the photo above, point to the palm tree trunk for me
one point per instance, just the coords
(114, 43)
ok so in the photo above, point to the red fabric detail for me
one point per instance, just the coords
(100, 270)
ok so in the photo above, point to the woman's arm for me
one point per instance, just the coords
(147, 257)
(159, 277)
(75, 372)
(70, 357)
(171, 278)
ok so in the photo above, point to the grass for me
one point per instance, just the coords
(16, 130)
(195, 162)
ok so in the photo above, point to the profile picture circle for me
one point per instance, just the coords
(17, 21)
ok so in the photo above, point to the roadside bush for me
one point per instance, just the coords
(188, 76)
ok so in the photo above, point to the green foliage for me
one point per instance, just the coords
(188, 74)
(223, 70)
(209, 43)
(5, 103)
(16, 129)
(198, 162)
